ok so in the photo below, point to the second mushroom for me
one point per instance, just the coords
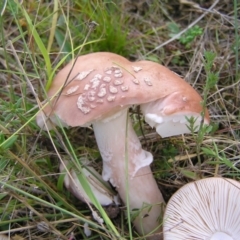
(99, 90)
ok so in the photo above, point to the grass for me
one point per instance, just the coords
(38, 38)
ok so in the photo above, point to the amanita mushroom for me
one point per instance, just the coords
(100, 89)
(205, 209)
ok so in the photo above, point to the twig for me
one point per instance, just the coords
(184, 30)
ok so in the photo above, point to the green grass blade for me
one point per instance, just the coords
(39, 43)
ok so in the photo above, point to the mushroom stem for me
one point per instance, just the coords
(126, 166)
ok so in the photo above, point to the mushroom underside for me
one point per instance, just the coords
(204, 209)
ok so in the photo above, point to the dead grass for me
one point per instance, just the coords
(29, 158)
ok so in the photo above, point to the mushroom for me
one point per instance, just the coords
(205, 209)
(99, 187)
(99, 90)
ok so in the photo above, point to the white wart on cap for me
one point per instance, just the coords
(207, 209)
(169, 114)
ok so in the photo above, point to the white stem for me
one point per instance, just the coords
(127, 164)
